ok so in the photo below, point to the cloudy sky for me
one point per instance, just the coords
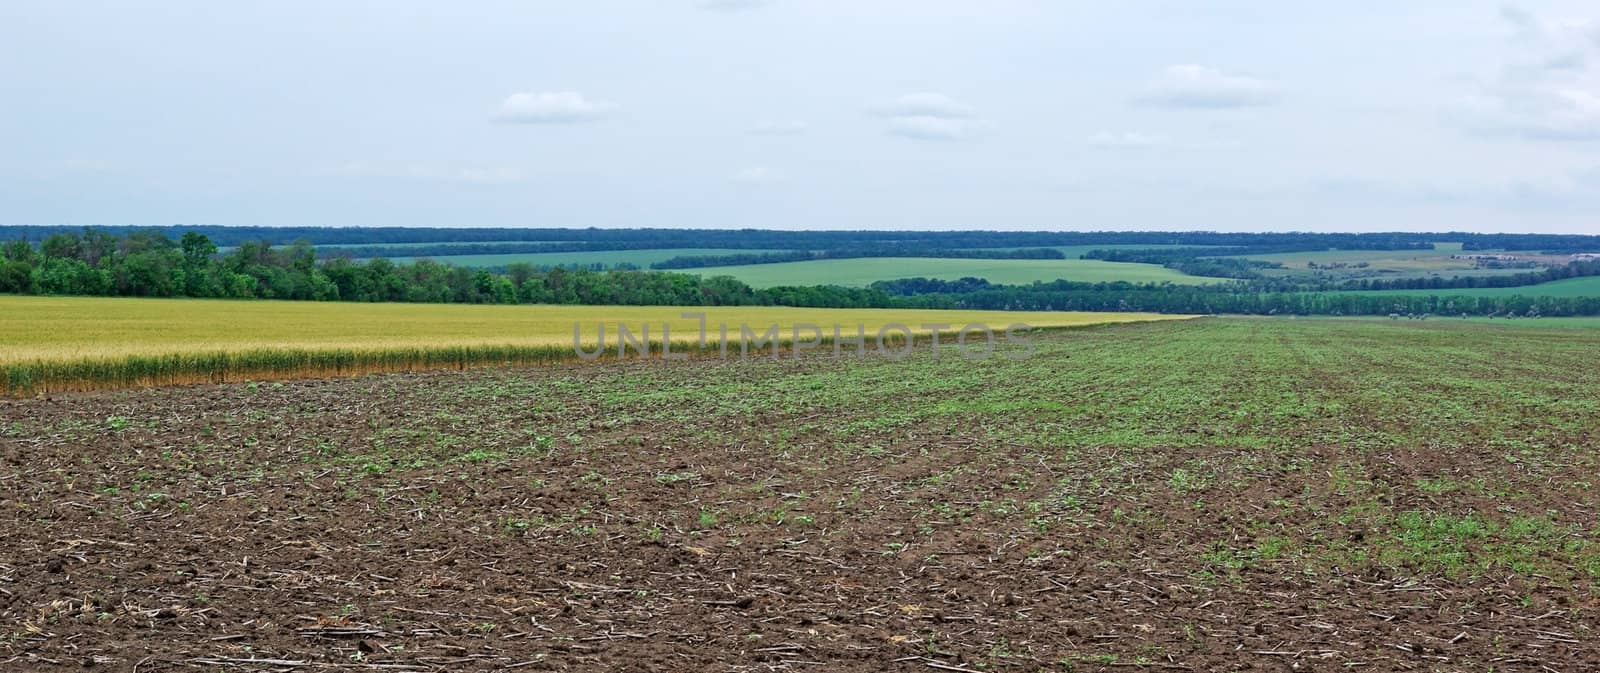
(896, 114)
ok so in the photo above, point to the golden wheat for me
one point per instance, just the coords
(73, 343)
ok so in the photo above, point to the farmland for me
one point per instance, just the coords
(855, 272)
(53, 342)
(1589, 322)
(1437, 262)
(1219, 494)
(773, 336)
(1438, 257)
(861, 272)
(1393, 262)
(865, 270)
(606, 258)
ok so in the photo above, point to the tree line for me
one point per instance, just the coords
(1577, 269)
(148, 264)
(1216, 263)
(1236, 298)
(500, 248)
(1221, 263)
(757, 239)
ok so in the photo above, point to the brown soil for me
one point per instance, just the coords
(242, 527)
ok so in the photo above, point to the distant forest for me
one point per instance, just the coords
(147, 263)
(636, 239)
(972, 293)
(702, 261)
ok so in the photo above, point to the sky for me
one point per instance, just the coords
(1226, 115)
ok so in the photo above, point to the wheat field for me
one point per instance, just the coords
(77, 343)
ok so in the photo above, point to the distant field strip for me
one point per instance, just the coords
(59, 343)
(1570, 287)
(640, 258)
(865, 271)
(1388, 264)
(644, 258)
(1543, 323)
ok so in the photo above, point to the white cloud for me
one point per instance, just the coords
(1526, 25)
(1198, 86)
(1520, 19)
(936, 105)
(930, 128)
(1537, 113)
(1548, 91)
(1572, 60)
(928, 116)
(733, 5)
(551, 107)
(1558, 45)
(756, 175)
(780, 128)
(1126, 140)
